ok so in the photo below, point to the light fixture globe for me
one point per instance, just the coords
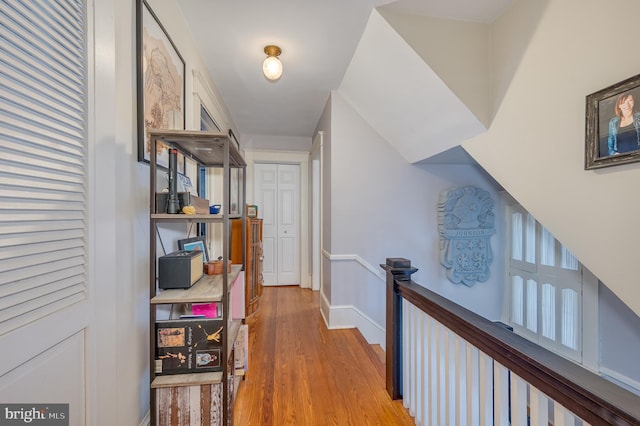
(272, 67)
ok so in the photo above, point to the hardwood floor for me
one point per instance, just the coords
(300, 373)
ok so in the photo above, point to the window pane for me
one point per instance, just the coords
(517, 293)
(516, 236)
(548, 311)
(540, 310)
(530, 239)
(547, 248)
(532, 305)
(568, 260)
(570, 318)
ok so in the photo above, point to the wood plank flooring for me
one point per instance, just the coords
(300, 373)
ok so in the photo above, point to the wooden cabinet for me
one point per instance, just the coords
(253, 264)
(253, 285)
(200, 398)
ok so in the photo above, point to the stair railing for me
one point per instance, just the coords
(453, 367)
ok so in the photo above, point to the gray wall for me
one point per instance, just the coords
(382, 206)
(619, 343)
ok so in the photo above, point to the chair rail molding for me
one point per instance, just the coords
(349, 316)
(354, 257)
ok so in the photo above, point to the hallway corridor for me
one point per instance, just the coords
(300, 373)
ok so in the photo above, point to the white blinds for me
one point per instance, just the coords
(43, 137)
(546, 289)
(516, 236)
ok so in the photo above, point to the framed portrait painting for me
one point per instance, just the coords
(161, 83)
(613, 125)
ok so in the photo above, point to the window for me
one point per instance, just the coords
(544, 293)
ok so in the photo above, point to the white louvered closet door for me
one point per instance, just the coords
(43, 206)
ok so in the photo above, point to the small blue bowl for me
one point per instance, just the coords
(214, 209)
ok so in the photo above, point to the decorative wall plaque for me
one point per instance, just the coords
(465, 223)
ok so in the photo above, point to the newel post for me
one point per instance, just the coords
(398, 269)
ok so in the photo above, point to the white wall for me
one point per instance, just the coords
(171, 17)
(535, 145)
(277, 143)
(382, 206)
(619, 343)
(401, 96)
(130, 285)
(324, 125)
(459, 52)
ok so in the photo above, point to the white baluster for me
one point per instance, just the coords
(539, 407)
(410, 395)
(433, 373)
(473, 386)
(420, 371)
(486, 390)
(406, 326)
(501, 395)
(562, 416)
(449, 376)
(518, 401)
(461, 380)
(440, 409)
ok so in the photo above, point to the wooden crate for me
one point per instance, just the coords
(198, 405)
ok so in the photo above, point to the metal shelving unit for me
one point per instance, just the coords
(210, 150)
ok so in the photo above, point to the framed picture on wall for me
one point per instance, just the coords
(613, 125)
(195, 243)
(161, 83)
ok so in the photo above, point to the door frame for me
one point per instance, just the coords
(253, 156)
(315, 186)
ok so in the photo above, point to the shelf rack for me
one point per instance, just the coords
(209, 150)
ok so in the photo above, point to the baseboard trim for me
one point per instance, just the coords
(621, 380)
(348, 316)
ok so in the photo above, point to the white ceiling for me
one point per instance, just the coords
(318, 39)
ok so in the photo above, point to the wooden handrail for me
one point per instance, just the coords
(589, 396)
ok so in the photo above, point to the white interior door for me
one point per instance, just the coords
(277, 194)
(266, 199)
(47, 319)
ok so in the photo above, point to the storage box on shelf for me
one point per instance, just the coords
(173, 394)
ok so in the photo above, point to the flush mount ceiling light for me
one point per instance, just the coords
(272, 67)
